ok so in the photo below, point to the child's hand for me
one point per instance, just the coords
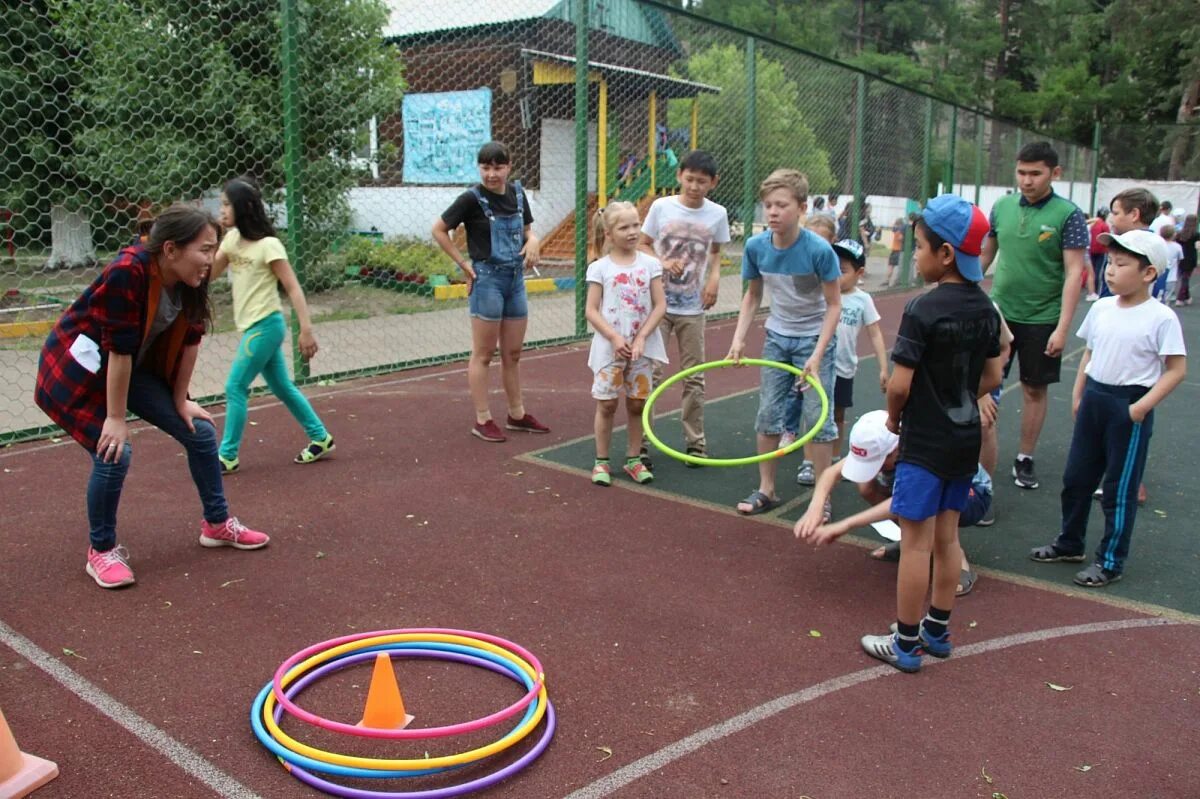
(828, 533)
(736, 350)
(813, 366)
(637, 348)
(893, 425)
(806, 525)
(1136, 413)
(674, 266)
(883, 380)
(1075, 405)
(308, 344)
(190, 410)
(987, 411)
(708, 296)
(620, 346)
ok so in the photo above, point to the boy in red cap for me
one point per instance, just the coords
(947, 353)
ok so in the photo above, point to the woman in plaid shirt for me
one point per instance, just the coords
(129, 343)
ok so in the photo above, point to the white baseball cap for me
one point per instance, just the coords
(1143, 242)
(870, 444)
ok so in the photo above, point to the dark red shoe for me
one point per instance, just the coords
(489, 431)
(526, 424)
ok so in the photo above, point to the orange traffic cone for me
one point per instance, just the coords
(385, 708)
(20, 774)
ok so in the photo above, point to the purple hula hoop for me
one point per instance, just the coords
(429, 732)
(485, 781)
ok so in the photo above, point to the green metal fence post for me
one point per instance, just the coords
(922, 193)
(293, 163)
(581, 164)
(948, 179)
(978, 156)
(1095, 166)
(749, 167)
(1071, 148)
(860, 116)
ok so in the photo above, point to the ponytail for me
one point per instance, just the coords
(597, 238)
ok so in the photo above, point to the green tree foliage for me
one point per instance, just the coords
(784, 136)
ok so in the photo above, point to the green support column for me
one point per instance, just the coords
(922, 193)
(1095, 166)
(293, 164)
(948, 178)
(978, 156)
(1071, 148)
(581, 164)
(749, 169)
(860, 116)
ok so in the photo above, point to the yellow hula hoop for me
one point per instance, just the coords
(778, 453)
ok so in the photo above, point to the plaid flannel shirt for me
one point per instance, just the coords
(115, 311)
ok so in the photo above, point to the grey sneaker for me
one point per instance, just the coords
(806, 476)
(1023, 474)
(989, 517)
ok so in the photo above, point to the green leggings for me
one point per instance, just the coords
(261, 351)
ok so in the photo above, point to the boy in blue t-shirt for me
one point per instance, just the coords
(802, 272)
(947, 354)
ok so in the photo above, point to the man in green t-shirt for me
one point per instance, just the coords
(1039, 242)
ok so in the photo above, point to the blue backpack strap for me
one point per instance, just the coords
(483, 203)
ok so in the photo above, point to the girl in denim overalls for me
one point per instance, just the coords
(501, 245)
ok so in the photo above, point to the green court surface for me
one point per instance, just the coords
(1164, 557)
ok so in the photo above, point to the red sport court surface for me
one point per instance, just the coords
(689, 651)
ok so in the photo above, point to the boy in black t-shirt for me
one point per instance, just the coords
(947, 354)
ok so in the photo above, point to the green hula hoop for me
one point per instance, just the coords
(778, 453)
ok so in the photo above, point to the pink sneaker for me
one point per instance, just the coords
(110, 569)
(489, 431)
(231, 533)
(526, 424)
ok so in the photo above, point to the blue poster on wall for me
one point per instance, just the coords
(442, 135)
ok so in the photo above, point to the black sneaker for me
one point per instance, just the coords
(1023, 474)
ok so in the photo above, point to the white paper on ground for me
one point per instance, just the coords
(888, 529)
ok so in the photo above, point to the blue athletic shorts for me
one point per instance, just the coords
(919, 493)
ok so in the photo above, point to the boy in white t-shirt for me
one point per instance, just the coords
(685, 232)
(1174, 256)
(1134, 358)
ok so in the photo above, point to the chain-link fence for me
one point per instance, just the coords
(361, 119)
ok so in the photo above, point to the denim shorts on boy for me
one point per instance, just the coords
(843, 392)
(637, 378)
(498, 292)
(919, 493)
(776, 384)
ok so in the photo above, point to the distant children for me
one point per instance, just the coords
(898, 228)
(858, 312)
(1134, 358)
(501, 245)
(1188, 238)
(625, 303)
(130, 343)
(1166, 287)
(685, 232)
(801, 272)
(947, 353)
(258, 265)
(1098, 255)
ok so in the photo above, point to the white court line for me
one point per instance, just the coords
(179, 754)
(686, 746)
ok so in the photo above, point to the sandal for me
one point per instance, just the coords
(1096, 576)
(699, 453)
(966, 582)
(601, 474)
(1050, 554)
(758, 502)
(888, 552)
(316, 450)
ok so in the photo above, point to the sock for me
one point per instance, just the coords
(906, 637)
(632, 460)
(601, 460)
(936, 621)
(1021, 456)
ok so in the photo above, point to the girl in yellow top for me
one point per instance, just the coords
(258, 264)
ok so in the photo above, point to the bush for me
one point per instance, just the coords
(405, 258)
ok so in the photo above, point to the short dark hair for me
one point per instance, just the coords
(1038, 151)
(493, 152)
(1140, 200)
(1165, 205)
(934, 239)
(699, 161)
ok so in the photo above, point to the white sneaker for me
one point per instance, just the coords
(1093, 297)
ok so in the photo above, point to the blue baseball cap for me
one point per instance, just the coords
(963, 226)
(852, 250)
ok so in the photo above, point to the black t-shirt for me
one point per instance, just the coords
(945, 337)
(1188, 264)
(466, 210)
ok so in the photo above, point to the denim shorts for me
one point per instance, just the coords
(498, 292)
(776, 385)
(919, 493)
